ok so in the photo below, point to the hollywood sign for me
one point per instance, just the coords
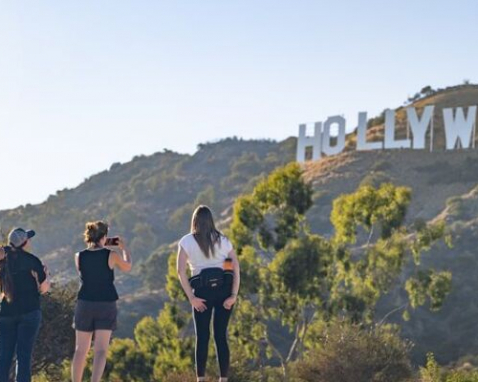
(460, 132)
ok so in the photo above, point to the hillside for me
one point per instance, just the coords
(150, 199)
(452, 97)
(438, 180)
(444, 184)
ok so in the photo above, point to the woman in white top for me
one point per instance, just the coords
(207, 251)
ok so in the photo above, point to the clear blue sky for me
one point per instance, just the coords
(84, 84)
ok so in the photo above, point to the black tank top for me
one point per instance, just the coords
(97, 278)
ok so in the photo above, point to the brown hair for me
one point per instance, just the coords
(204, 230)
(95, 231)
(6, 278)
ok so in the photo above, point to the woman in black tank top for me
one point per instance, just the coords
(96, 311)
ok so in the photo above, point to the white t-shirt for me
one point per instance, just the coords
(197, 260)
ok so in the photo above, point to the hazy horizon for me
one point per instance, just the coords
(86, 85)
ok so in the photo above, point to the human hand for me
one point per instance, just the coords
(3, 254)
(199, 304)
(35, 275)
(121, 243)
(229, 303)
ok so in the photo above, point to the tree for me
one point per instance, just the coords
(272, 214)
(127, 362)
(303, 279)
(351, 353)
(427, 90)
(368, 265)
(56, 339)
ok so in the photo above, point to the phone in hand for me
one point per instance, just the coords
(112, 241)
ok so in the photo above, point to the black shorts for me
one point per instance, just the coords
(95, 315)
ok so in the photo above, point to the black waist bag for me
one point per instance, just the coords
(211, 278)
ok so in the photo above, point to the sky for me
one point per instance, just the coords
(85, 84)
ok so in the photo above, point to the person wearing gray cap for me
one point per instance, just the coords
(23, 278)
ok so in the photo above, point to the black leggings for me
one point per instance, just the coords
(202, 323)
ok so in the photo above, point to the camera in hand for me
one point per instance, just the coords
(112, 241)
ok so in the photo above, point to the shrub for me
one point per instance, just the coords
(434, 373)
(56, 339)
(350, 353)
(375, 179)
(180, 377)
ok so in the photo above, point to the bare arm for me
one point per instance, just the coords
(124, 260)
(77, 262)
(229, 303)
(45, 285)
(237, 273)
(181, 265)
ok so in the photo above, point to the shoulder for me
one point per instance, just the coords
(186, 240)
(225, 241)
(31, 261)
(32, 258)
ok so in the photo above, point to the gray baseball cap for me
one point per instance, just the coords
(18, 236)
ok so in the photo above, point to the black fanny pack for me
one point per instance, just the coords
(211, 278)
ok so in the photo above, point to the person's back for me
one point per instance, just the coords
(210, 291)
(27, 295)
(97, 278)
(22, 279)
(96, 310)
(196, 259)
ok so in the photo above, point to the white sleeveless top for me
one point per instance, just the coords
(197, 260)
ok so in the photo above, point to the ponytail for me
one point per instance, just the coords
(6, 275)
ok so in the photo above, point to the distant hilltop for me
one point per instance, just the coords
(434, 119)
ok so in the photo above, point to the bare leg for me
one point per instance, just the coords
(101, 345)
(83, 344)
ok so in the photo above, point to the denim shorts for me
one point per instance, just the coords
(95, 315)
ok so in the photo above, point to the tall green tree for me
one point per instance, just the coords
(373, 246)
(301, 279)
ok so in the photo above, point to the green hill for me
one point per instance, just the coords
(150, 199)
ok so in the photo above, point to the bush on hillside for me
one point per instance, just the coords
(434, 373)
(56, 340)
(350, 353)
(375, 179)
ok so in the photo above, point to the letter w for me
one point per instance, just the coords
(459, 128)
